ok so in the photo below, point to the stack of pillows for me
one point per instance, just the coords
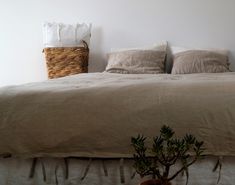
(153, 60)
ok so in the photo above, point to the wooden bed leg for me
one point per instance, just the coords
(32, 169)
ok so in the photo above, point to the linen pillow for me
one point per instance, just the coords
(200, 61)
(138, 61)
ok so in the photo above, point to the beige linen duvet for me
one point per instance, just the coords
(95, 115)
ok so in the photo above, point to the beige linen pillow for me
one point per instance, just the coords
(200, 61)
(138, 61)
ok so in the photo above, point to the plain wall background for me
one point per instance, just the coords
(116, 23)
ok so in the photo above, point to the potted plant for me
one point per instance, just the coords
(165, 152)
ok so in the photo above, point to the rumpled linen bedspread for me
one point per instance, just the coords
(95, 115)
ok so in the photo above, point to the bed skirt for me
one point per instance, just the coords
(74, 171)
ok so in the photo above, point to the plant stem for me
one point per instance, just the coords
(177, 173)
(166, 172)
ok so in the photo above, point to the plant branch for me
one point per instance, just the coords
(177, 173)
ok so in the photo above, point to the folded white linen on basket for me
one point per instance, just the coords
(65, 35)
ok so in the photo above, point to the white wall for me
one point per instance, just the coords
(117, 23)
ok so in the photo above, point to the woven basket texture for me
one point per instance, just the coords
(65, 61)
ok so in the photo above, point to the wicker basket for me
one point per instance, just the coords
(64, 61)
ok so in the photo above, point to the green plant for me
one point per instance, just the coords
(165, 152)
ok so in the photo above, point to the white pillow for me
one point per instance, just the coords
(65, 35)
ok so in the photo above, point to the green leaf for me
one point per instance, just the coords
(166, 132)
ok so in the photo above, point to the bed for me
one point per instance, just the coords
(94, 115)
